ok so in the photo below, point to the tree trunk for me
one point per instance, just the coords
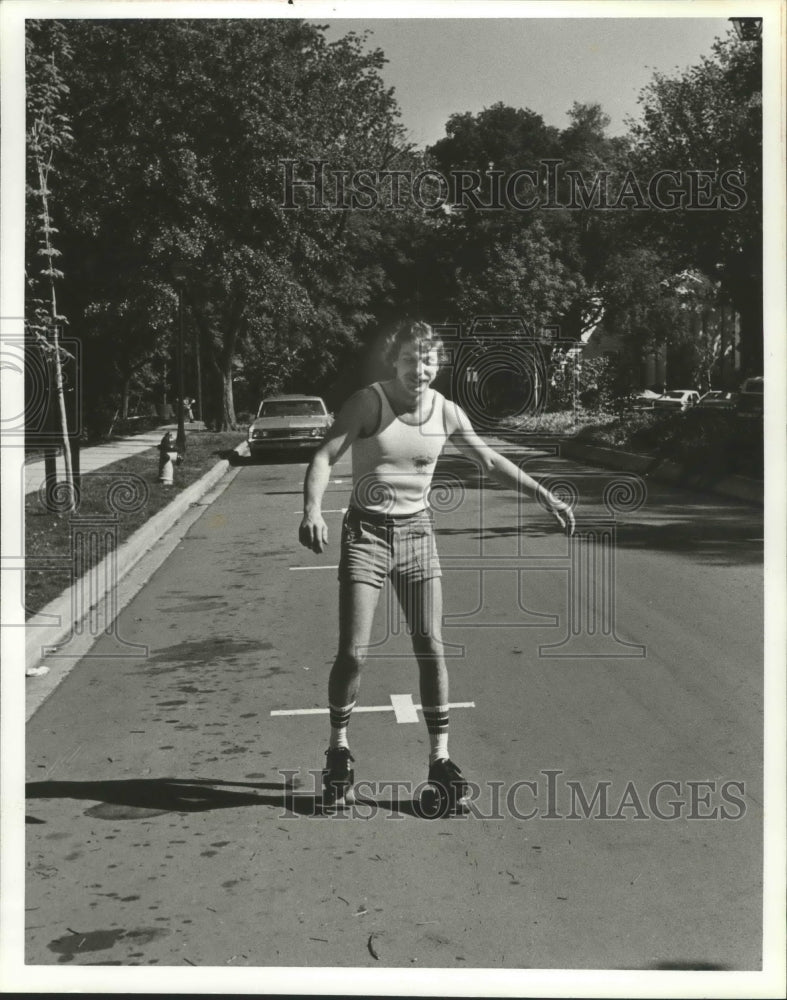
(43, 175)
(228, 419)
(124, 397)
(61, 402)
(221, 354)
(198, 371)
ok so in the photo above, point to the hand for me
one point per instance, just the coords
(563, 514)
(313, 532)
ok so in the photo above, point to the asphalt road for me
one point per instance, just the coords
(172, 818)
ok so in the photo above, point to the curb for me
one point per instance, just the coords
(39, 638)
(735, 487)
(624, 461)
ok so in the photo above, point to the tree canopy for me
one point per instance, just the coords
(177, 136)
(180, 133)
(706, 122)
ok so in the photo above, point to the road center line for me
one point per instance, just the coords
(336, 510)
(401, 705)
(294, 568)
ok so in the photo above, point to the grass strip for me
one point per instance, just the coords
(708, 443)
(128, 492)
(560, 422)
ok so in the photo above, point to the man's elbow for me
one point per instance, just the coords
(324, 457)
(490, 466)
(501, 469)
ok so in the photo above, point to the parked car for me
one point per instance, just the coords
(750, 397)
(643, 400)
(716, 399)
(284, 422)
(677, 399)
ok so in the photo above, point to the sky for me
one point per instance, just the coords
(442, 66)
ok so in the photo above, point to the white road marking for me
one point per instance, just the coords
(293, 568)
(324, 711)
(336, 510)
(401, 705)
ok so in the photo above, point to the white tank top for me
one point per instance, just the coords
(393, 467)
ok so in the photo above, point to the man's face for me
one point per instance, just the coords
(417, 367)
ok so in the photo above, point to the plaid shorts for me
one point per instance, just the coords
(376, 546)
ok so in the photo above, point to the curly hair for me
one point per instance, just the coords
(411, 332)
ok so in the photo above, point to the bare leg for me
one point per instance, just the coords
(422, 603)
(357, 603)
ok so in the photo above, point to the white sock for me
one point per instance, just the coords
(440, 750)
(340, 720)
(437, 726)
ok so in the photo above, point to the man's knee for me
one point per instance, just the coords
(428, 647)
(349, 661)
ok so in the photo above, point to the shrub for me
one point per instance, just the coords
(709, 443)
(595, 383)
(617, 432)
(562, 422)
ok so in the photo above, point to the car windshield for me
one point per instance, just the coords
(755, 387)
(292, 408)
(675, 394)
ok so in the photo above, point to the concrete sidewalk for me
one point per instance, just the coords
(97, 456)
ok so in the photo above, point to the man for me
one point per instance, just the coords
(397, 430)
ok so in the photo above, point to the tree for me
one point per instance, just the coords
(182, 128)
(521, 275)
(500, 136)
(545, 261)
(708, 119)
(637, 305)
(48, 133)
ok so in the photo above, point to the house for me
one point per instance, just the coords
(705, 352)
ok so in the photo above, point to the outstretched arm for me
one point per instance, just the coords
(500, 469)
(352, 419)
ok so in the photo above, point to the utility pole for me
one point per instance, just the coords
(180, 276)
(198, 371)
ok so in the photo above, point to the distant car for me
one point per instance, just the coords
(285, 422)
(677, 399)
(715, 399)
(750, 397)
(644, 400)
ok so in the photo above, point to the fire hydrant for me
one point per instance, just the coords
(168, 456)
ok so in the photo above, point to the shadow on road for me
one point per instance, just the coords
(292, 456)
(676, 520)
(689, 965)
(140, 798)
(659, 518)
